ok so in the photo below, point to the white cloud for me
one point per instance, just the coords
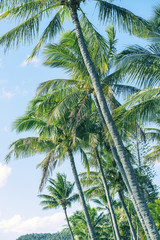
(17, 224)
(6, 94)
(5, 171)
(35, 61)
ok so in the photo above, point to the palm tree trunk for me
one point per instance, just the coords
(65, 211)
(121, 169)
(151, 227)
(109, 201)
(133, 234)
(137, 231)
(75, 174)
(114, 235)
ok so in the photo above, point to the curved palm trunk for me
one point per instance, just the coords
(65, 211)
(121, 169)
(74, 170)
(113, 218)
(133, 234)
(151, 227)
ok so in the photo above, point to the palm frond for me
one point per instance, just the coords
(24, 10)
(85, 161)
(63, 56)
(47, 165)
(124, 90)
(111, 79)
(141, 64)
(141, 105)
(153, 134)
(72, 199)
(55, 156)
(111, 42)
(55, 84)
(26, 147)
(97, 47)
(50, 33)
(27, 123)
(124, 18)
(31, 13)
(154, 155)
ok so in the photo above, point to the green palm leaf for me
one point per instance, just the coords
(122, 17)
(141, 64)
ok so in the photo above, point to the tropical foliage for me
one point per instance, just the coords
(98, 221)
(63, 235)
(60, 191)
(82, 115)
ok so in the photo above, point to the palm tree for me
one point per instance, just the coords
(106, 188)
(63, 55)
(152, 230)
(55, 140)
(32, 13)
(60, 191)
(98, 221)
(101, 201)
(95, 188)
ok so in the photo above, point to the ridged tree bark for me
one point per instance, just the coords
(120, 167)
(65, 211)
(109, 201)
(78, 185)
(151, 227)
(133, 234)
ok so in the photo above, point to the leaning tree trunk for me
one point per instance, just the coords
(151, 227)
(109, 201)
(65, 211)
(135, 204)
(77, 182)
(114, 235)
(137, 231)
(133, 234)
(121, 169)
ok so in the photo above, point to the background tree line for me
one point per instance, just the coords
(63, 235)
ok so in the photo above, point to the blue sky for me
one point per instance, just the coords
(20, 212)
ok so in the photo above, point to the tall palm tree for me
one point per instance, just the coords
(106, 188)
(32, 13)
(95, 188)
(63, 55)
(60, 191)
(55, 140)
